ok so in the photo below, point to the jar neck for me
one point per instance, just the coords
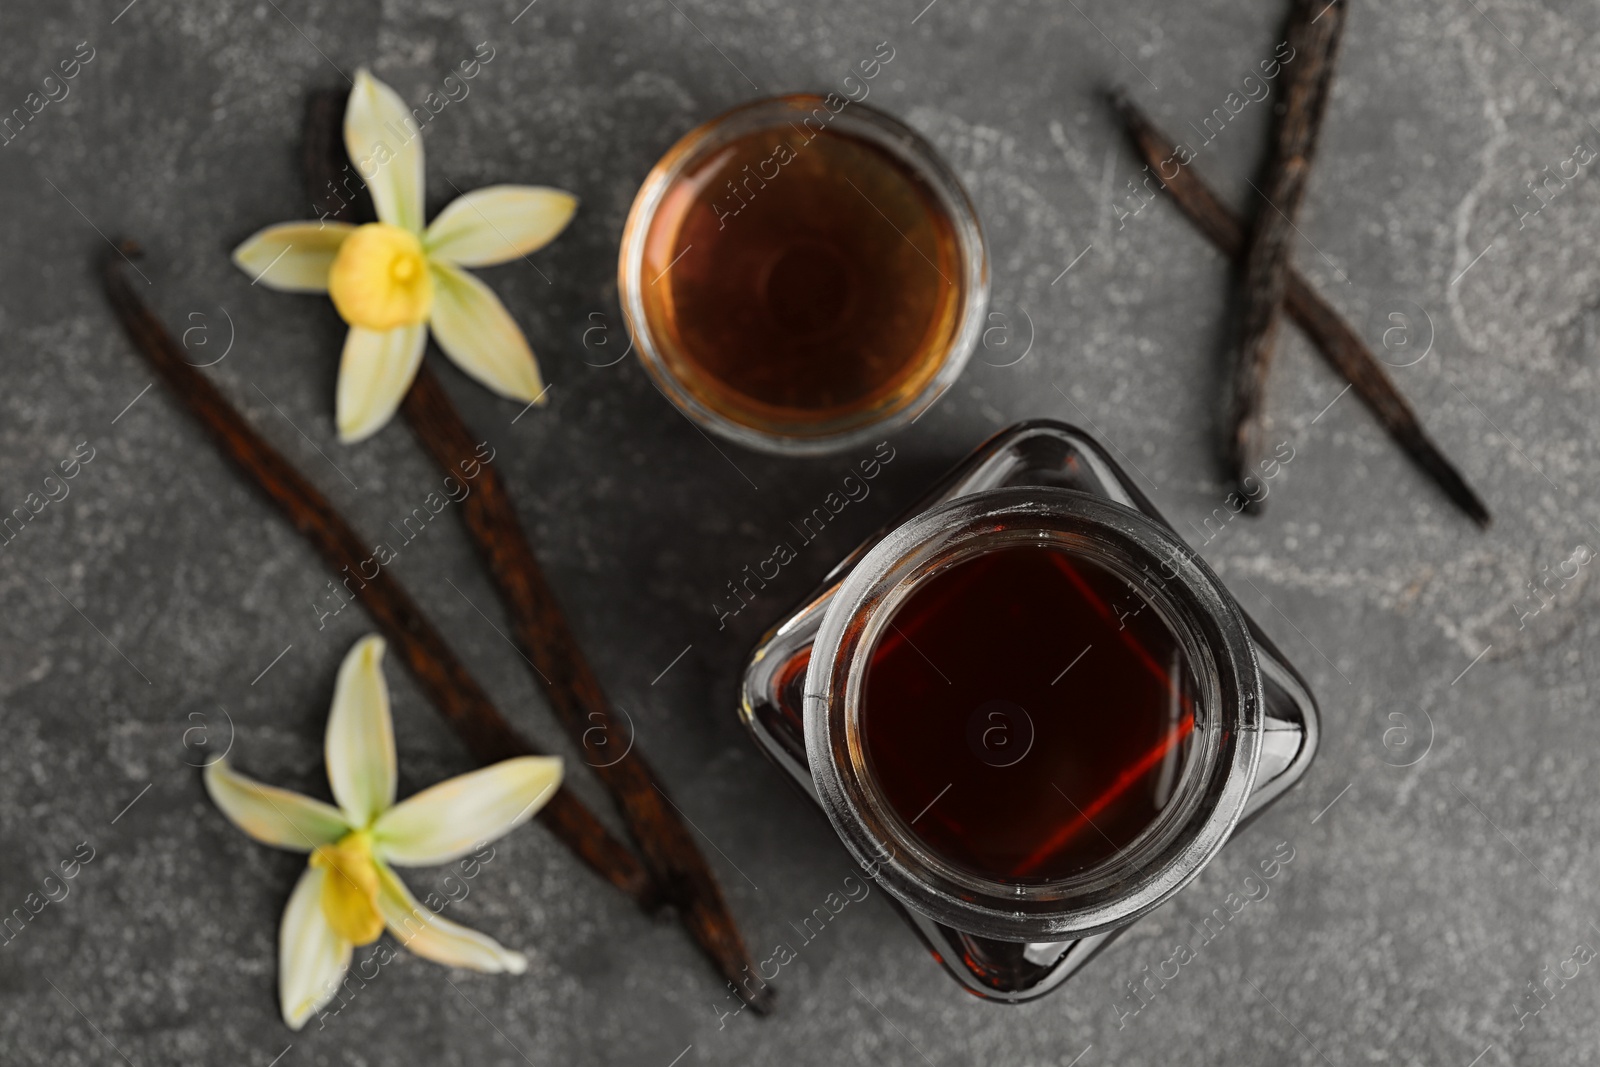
(1210, 789)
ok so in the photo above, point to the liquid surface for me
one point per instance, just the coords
(1027, 713)
(795, 277)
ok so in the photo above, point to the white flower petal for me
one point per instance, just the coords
(293, 256)
(271, 815)
(312, 959)
(478, 334)
(445, 822)
(375, 370)
(385, 145)
(417, 928)
(498, 223)
(360, 741)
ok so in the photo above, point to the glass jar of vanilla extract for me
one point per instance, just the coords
(1030, 711)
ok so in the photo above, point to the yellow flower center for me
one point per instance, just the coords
(350, 888)
(380, 278)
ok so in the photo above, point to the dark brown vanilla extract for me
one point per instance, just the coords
(799, 277)
(1027, 713)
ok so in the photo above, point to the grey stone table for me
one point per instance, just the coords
(1421, 901)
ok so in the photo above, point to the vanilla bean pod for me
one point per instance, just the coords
(541, 627)
(1334, 337)
(1315, 30)
(440, 675)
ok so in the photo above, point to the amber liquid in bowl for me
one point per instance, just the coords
(1027, 713)
(795, 278)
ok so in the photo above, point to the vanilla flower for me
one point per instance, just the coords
(394, 279)
(349, 892)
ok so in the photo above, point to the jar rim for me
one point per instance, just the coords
(856, 119)
(1215, 782)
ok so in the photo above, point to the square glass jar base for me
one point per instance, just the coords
(1040, 452)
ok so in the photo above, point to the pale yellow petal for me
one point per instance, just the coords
(433, 938)
(293, 256)
(385, 146)
(478, 334)
(271, 815)
(445, 822)
(498, 223)
(360, 739)
(375, 371)
(312, 959)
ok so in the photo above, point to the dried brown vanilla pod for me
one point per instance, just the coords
(1332, 335)
(1315, 30)
(440, 675)
(538, 621)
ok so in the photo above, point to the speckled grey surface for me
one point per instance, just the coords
(1417, 907)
